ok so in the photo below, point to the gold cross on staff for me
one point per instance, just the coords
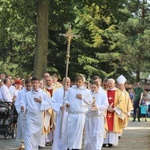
(69, 36)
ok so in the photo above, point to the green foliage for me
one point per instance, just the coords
(114, 37)
(17, 35)
(137, 43)
(101, 39)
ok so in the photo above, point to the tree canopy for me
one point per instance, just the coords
(114, 37)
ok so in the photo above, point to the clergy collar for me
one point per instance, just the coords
(48, 87)
(114, 88)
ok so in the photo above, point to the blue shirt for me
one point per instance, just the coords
(143, 109)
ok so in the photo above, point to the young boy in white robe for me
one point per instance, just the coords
(59, 142)
(77, 101)
(21, 119)
(33, 104)
(95, 118)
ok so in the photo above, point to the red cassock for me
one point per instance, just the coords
(110, 115)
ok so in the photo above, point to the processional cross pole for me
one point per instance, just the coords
(69, 35)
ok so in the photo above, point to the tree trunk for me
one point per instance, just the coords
(138, 76)
(41, 47)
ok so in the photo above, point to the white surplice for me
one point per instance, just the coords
(60, 130)
(76, 115)
(94, 124)
(21, 120)
(34, 120)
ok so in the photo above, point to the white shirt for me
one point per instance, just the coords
(12, 91)
(5, 94)
(1, 97)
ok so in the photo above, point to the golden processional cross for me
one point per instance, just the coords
(69, 35)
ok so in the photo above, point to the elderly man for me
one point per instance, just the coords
(50, 89)
(115, 114)
(56, 84)
(128, 103)
(49, 85)
(6, 96)
(46, 75)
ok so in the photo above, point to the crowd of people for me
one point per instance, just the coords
(141, 103)
(62, 115)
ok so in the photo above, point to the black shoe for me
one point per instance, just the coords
(133, 120)
(110, 145)
(139, 120)
(40, 147)
(104, 145)
(119, 137)
(48, 144)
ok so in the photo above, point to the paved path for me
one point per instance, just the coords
(135, 137)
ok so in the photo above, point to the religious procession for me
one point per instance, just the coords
(77, 99)
(44, 112)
